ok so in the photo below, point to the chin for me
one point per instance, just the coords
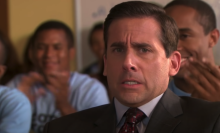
(130, 99)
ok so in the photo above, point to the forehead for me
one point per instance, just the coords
(52, 36)
(184, 16)
(134, 29)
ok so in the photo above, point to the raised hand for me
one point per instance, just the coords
(204, 79)
(27, 82)
(58, 84)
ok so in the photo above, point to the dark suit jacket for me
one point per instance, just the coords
(172, 114)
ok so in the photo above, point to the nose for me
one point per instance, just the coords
(49, 52)
(179, 46)
(129, 63)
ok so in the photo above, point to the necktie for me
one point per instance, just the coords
(133, 116)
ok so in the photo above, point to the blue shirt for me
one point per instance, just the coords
(15, 111)
(84, 92)
(176, 90)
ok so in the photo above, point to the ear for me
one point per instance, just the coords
(105, 65)
(72, 53)
(175, 62)
(2, 70)
(214, 36)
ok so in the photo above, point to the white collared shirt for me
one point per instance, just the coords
(146, 108)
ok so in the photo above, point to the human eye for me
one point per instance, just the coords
(144, 50)
(40, 47)
(118, 50)
(183, 36)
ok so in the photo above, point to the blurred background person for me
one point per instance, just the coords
(97, 45)
(52, 88)
(199, 76)
(11, 62)
(15, 108)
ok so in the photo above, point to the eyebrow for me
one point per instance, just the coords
(134, 44)
(118, 44)
(140, 45)
(185, 29)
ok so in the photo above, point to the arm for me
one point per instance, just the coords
(15, 112)
(58, 84)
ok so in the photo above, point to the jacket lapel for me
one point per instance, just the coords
(163, 117)
(106, 123)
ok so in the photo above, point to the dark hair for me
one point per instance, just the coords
(28, 64)
(206, 16)
(97, 26)
(137, 9)
(53, 24)
(9, 58)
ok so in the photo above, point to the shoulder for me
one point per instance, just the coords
(200, 107)
(77, 119)
(12, 95)
(13, 100)
(84, 115)
(15, 81)
(15, 110)
(80, 80)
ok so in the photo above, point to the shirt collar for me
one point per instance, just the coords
(146, 108)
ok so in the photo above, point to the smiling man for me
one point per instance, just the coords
(141, 42)
(198, 75)
(52, 88)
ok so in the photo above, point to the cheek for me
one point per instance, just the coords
(63, 54)
(39, 54)
(158, 68)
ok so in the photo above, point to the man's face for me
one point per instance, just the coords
(135, 63)
(51, 52)
(97, 43)
(193, 42)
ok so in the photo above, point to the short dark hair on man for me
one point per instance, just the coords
(53, 24)
(97, 26)
(137, 9)
(206, 16)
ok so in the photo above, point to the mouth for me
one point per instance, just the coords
(50, 64)
(184, 60)
(130, 82)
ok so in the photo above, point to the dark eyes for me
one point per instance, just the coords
(118, 50)
(183, 36)
(43, 47)
(40, 47)
(144, 50)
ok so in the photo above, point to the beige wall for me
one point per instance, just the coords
(26, 15)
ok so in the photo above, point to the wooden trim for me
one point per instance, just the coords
(4, 22)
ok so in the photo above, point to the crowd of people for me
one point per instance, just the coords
(155, 72)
